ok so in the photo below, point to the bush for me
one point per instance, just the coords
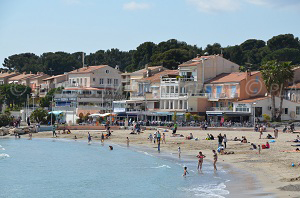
(39, 115)
(5, 119)
(188, 116)
(266, 117)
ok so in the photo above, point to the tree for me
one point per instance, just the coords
(5, 119)
(276, 76)
(188, 116)
(39, 115)
(285, 54)
(283, 41)
(174, 117)
(14, 95)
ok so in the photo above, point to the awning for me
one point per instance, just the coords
(102, 115)
(55, 112)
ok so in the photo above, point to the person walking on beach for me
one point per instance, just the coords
(102, 138)
(179, 151)
(89, 138)
(53, 131)
(215, 159)
(185, 171)
(127, 140)
(275, 132)
(225, 140)
(200, 160)
(260, 132)
(164, 138)
(158, 137)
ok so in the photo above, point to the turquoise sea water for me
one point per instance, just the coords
(67, 168)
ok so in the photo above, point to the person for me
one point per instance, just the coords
(127, 140)
(179, 151)
(267, 145)
(75, 137)
(28, 121)
(208, 137)
(225, 140)
(150, 137)
(211, 137)
(275, 132)
(175, 128)
(111, 148)
(30, 136)
(259, 149)
(200, 160)
(284, 129)
(164, 138)
(102, 137)
(269, 136)
(158, 137)
(244, 140)
(189, 137)
(220, 140)
(53, 131)
(185, 171)
(260, 132)
(215, 159)
(254, 147)
(154, 138)
(89, 138)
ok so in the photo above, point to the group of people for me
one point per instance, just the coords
(157, 137)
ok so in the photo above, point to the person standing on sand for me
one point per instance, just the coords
(275, 132)
(127, 140)
(158, 137)
(225, 140)
(220, 140)
(102, 138)
(53, 131)
(215, 159)
(179, 151)
(200, 160)
(260, 132)
(164, 138)
(259, 149)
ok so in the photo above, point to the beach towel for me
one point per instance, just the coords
(295, 145)
(271, 141)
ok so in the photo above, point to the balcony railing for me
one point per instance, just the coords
(219, 109)
(176, 80)
(127, 88)
(222, 96)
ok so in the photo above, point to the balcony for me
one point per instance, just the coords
(176, 80)
(219, 109)
(125, 80)
(214, 96)
(127, 88)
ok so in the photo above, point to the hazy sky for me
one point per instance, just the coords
(89, 25)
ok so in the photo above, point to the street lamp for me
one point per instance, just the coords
(254, 103)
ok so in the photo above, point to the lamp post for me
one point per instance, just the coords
(254, 103)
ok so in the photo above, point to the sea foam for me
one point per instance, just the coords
(162, 166)
(3, 155)
(207, 191)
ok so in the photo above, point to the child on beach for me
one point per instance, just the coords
(179, 151)
(150, 137)
(89, 138)
(215, 159)
(164, 138)
(200, 160)
(127, 140)
(259, 149)
(185, 171)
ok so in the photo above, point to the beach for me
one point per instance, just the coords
(273, 168)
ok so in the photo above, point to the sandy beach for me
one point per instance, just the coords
(272, 167)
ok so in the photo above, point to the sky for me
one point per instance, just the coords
(40, 26)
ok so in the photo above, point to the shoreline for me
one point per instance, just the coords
(271, 169)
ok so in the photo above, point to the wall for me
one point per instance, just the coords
(249, 84)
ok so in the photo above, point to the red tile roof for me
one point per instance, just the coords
(141, 71)
(87, 69)
(53, 77)
(22, 76)
(3, 75)
(156, 77)
(250, 100)
(232, 77)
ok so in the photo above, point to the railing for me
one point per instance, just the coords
(91, 107)
(125, 80)
(219, 109)
(127, 88)
(222, 95)
(176, 80)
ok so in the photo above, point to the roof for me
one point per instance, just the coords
(196, 61)
(156, 77)
(22, 76)
(40, 75)
(3, 75)
(232, 77)
(53, 77)
(250, 100)
(87, 69)
(141, 71)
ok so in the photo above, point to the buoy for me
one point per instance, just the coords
(293, 164)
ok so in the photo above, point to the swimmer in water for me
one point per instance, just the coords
(111, 148)
(185, 171)
(89, 138)
(200, 160)
(215, 159)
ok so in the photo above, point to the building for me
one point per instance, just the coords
(36, 81)
(225, 89)
(53, 82)
(89, 90)
(21, 79)
(258, 106)
(5, 76)
(185, 92)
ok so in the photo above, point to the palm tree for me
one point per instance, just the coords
(276, 76)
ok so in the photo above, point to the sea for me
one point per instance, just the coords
(40, 168)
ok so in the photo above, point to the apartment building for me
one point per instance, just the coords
(53, 82)
(185, 92)
(225, 89)
(90, 89)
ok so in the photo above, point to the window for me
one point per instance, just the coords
(116, 81)
(107, 71)
(258, 111)
(94, 79)
(81, 81)
(286, 110)
(109, 81)
(298, 110)
(256, 78)
(101, 81)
